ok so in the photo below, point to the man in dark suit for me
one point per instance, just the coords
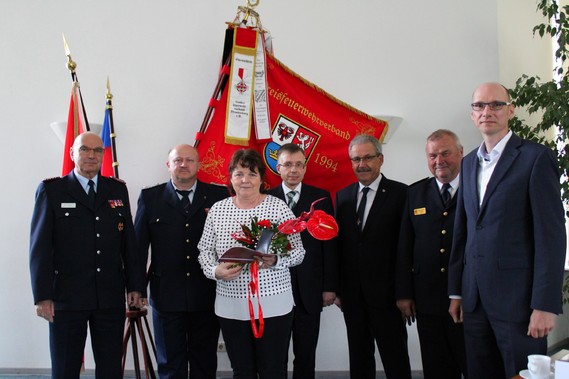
(315, 281)
(369, 215)
(82, 258)
(170, 219)
(509, 243)
(425, 242)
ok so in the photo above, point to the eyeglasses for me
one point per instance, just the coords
(179, 161)
(87, 150)
(494, 105)
(289, 165)
(364, 159)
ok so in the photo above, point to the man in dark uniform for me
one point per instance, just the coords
(425, 243)
(315, 281)
(170, 219)
(82, 258)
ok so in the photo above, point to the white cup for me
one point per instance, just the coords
(539, 366)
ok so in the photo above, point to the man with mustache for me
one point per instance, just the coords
(369, 215)
(170, 219)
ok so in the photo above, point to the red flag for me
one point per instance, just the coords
(107, 165)
(301, 113)
(75, 126)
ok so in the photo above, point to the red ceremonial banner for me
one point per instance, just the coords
(300, 113)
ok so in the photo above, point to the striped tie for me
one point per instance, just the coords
(290, 202)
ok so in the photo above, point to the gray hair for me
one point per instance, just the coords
(360, 139)
(440, 133)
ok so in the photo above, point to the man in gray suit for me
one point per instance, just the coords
(506, 266)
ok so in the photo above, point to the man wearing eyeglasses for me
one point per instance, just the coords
(83, 260)
(368, 213)
(315, 281)
(170, 220)
(506, 266)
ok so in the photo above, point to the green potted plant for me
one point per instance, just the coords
(550, 99)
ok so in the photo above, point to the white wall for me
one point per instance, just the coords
(414, 59)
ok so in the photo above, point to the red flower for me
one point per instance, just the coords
(292, 226)
(246, 240)
(264, 223)
(322, 226)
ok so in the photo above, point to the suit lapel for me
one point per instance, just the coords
(434, 195)
(171, 198)
(279, 192)
(199, 199)
(507, 158)
(103, 192)
(76, 190)
(304, 201)
(378, 201)
(471, 181)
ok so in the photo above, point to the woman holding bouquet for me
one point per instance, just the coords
(255, 315)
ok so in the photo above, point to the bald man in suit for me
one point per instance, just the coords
(506, 266)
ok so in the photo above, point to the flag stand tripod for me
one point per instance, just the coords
(134, 319)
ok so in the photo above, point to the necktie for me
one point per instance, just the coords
(185, 201)
(91, 193)
(362, 208)
(290, 202)
(445, 194)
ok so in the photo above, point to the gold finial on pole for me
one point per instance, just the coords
(246, 12)
(253, 4)
(109, 95)
(71, 65)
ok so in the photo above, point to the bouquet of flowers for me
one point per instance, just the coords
(249, 236)
(262, 237)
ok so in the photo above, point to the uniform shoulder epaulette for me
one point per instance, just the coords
(152, 185)
(419, 181)
(218, 185)
(48, 180)
(117, 179)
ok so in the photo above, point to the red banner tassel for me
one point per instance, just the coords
(252, 291)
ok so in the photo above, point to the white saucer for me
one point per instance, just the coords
(526, 375)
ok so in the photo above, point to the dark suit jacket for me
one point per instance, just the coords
(319, 269)
(367, 261)
(509, 252)
(177, 282)
(82, 257)
(425, 243)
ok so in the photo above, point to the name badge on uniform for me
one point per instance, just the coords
(68, 205)
(419, 211)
